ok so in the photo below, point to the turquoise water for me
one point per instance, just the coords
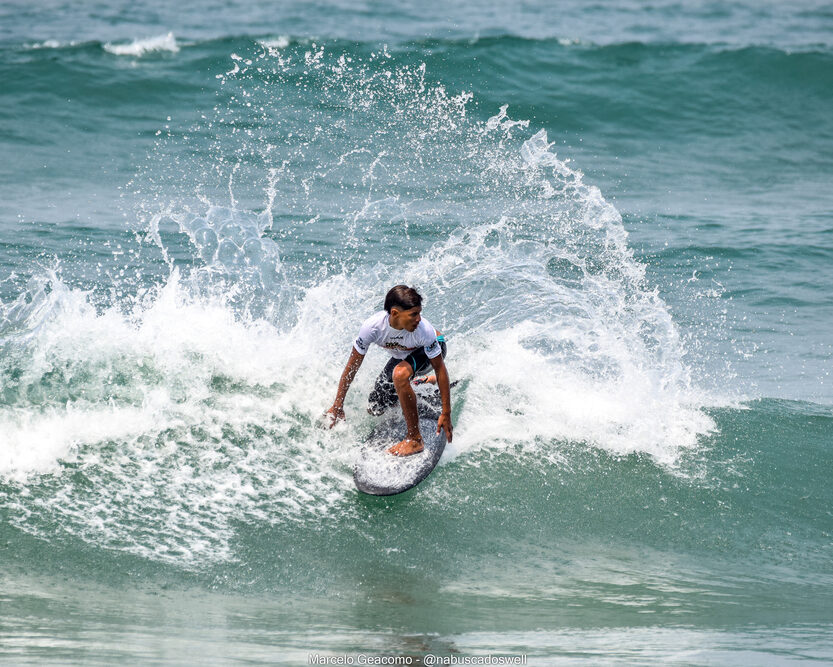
(618, 214)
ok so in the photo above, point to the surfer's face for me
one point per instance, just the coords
(407, 319)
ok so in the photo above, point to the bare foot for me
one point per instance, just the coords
(407, 447)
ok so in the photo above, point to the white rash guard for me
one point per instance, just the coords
(399, 343)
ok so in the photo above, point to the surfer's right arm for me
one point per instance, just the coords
(350, 370)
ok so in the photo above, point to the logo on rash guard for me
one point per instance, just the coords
(360, 342)
(390, 345)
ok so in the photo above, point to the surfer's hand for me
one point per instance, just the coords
(334, 415)
(444, 422)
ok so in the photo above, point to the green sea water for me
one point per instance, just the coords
(618, 214)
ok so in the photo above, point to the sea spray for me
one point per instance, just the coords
(204, 386)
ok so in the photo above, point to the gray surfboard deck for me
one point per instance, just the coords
(379, 473)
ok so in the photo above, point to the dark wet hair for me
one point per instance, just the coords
(402, 297)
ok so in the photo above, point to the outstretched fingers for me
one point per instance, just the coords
(444, 422)
(333, 416)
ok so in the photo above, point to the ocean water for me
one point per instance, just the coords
(620, 215)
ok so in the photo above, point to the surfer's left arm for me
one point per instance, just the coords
(444, 422)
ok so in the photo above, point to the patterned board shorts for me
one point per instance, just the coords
(384, 394)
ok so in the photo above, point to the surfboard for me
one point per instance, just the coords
(379, 473)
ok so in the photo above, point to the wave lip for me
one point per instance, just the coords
(140, 47)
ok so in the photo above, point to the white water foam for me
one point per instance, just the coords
(177, 414)
(279, 42)
(194, 405)
(140, 47)
(50, 44)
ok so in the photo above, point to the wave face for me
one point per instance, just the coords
(197, 215)
(525, 266)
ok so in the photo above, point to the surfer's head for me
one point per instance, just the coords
(404, 305)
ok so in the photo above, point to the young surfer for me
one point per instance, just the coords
(415, 347)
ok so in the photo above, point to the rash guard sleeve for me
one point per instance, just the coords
(368, 333)
(430, 342)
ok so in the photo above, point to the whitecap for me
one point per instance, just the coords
(140, 47)
(279, 42)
